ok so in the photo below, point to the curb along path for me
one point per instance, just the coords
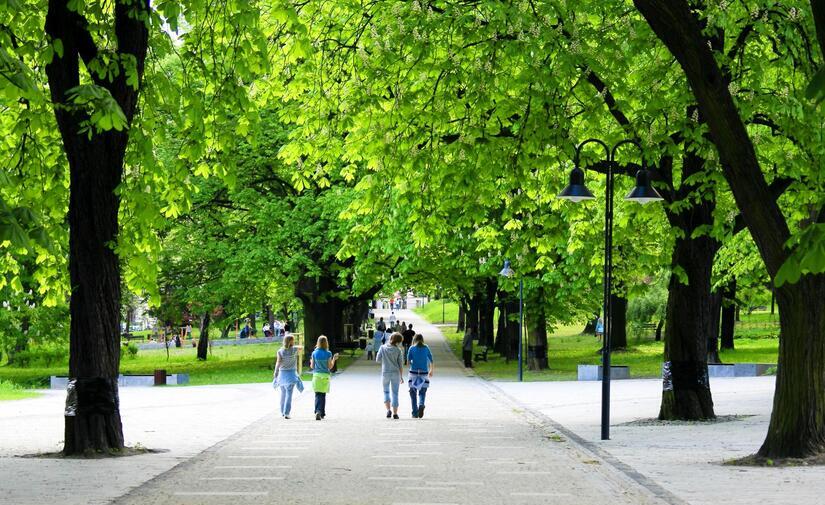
(473, 447)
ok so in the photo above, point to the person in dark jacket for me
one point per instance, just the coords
(467, 345)
(407, 335)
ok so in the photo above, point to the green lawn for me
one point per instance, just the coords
(432, 311)
(226, 365)
(10, 391)
(568, 348)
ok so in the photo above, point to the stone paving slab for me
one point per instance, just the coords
(684, 459)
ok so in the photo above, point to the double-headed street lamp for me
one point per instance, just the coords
(642, 193)
(508, 272)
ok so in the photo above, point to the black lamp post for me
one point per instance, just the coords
(508, 272)
(642, 193)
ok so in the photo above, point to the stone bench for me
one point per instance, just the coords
(60, 382)
(594, 372)
(739, 369)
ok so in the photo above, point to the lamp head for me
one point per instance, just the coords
(507, 271)
(643, 192)
(576, 191)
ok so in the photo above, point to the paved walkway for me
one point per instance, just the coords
(473, 447)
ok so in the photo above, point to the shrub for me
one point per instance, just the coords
(129, 351)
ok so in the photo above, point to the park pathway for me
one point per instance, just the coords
(473, 447)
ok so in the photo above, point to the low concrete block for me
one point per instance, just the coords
(60, 382)
(721, 370)
(594, 372)
(751, 369)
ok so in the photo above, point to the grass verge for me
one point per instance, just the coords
(242, 364)
(11, 391)
(568, 348)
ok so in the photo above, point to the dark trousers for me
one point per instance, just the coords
(417, 399)
(468, 358)
(406, 352)
(321, 403)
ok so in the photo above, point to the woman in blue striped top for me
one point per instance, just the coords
(286, 374)
(421, 371)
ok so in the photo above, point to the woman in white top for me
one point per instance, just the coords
(392, 368)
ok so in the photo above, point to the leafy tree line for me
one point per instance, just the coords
(324, 151)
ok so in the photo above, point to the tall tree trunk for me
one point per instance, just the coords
(618, 332)
(536, 322)
(728, 315)
(713, 334)
(92, 415)
(471, 317)
(797, 426)
(270, 316)
(203, 341)
(659, 326)
(686, 391)
(686, 388)
(486, 313)
(323, 318)
(590, 326)
(462, 314)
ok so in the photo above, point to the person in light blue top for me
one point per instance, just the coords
(286, 374)
(321, 361)
(392, 369)
(421, 371)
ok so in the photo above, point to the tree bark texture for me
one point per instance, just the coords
(203, 341)
(486, 314)
(713, 334)
(686, 388)
(92, 417)
(462, 314)
(471, 317)
(728, 323)
(797, 426)
(536, 322)
(618, 331)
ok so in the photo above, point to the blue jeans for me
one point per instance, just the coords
(417, 399)
(394, 381)
(321, 403)
(286, 399)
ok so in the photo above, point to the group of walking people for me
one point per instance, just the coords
(392, 355)
(421, 364)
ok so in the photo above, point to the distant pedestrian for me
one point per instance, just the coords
(421, 371)
(467, 345)
(393, 320)
(408, 335)
(286, 374)
(599, 328)
(245, 331)
(321, 362)
(267, 330)
(375, 344)
(381, 325)
(403, 327)
(392, 371)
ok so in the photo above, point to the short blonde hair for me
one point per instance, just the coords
(289, 341)
(396, 338)
(322, 343)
